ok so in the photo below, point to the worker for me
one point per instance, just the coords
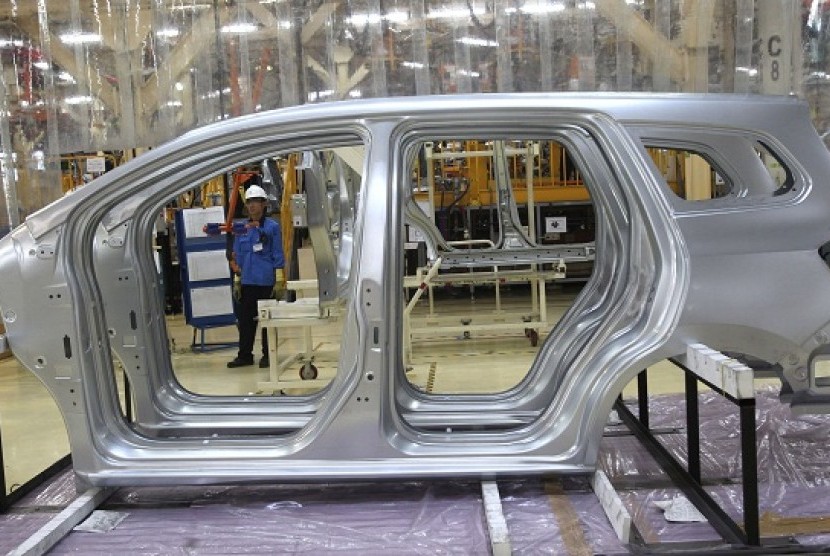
(258, 273)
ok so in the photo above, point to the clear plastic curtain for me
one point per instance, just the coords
(744, 71)
(111, 75)
(419, 64)
(9, 217)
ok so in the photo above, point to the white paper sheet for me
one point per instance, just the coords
(208, 302)
(101, 521)
(556, 224)
(680, 510)
(207, 265)
(196, 219)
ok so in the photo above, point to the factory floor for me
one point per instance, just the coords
(33, 434)
(448, 355)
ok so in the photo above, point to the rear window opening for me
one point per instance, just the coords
(689, 174)
(720, 165)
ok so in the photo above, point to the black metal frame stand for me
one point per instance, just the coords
(8, 500)
(3, 505)
(689, 479)
(203, 346)
(128, 399)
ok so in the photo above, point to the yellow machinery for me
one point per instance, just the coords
(79, 168)
(556, 178)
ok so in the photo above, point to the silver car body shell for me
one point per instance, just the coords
(740, 274)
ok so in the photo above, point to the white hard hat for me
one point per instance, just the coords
(256, 192)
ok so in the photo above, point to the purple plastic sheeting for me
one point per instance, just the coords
(534, 527)
(598, 531)
(531, 524)
(383, 518)
(35, 510)
(793, 464)
(654, 528)
(17, 526)
(448, 517)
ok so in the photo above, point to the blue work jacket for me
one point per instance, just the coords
(259, 252)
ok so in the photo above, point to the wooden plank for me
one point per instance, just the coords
(59, 526)
(774, 525)
(570, 528)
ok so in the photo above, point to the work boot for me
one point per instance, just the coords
(264, 363)
(240, 362)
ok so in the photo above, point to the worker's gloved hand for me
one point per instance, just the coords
(237, 287)
(279, 284)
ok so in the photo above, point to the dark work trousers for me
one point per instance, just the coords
(247, 318)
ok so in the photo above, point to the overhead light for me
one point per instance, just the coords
(239, 28)
(413, 65)
(77, 37)
(11, 42)
(167, 33)
(542, 7)
(397, 17)
(586, 6)
(469, 73)
(459, 12)
(178, 86)
(66, 76)
(190, 7)
(215, 93)
(472, 41)
(363, 19)
(174, 103)
(318, 95)
(79, 99)
(41, 65)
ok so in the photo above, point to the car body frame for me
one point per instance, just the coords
(742, 273)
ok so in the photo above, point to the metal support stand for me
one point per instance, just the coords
(8, 500)
(689, 479)
(128, 399)
(203, 346)
(749, 460)
(3, 504)
(693, 427)
(642, 397)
